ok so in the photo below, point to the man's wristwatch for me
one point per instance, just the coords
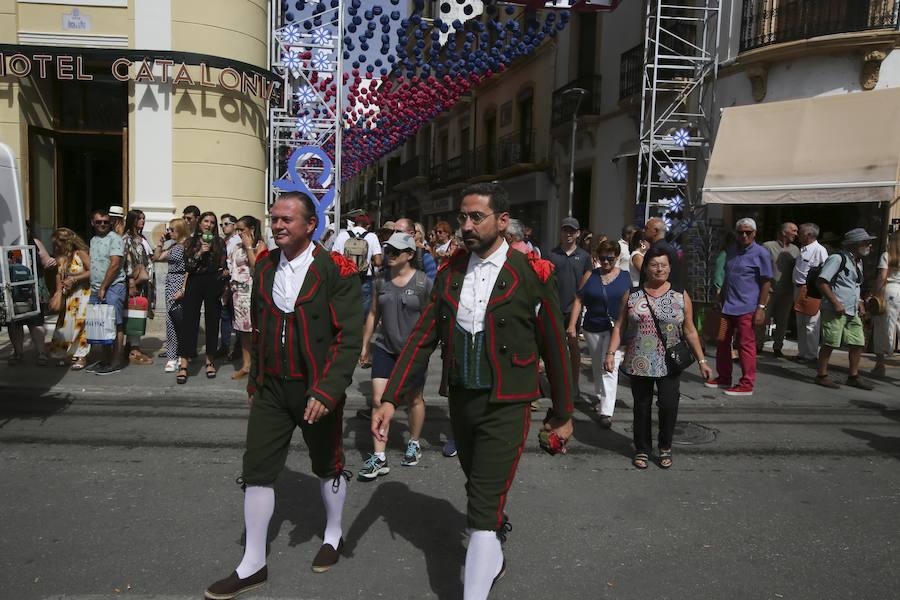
(762, 306)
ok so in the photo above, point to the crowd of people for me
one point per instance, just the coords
(510, 320)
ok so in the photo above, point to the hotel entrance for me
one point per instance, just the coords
(78, 157)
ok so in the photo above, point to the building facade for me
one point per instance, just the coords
(149, 104)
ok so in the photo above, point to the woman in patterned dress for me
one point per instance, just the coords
(138, 255)
(241, 263)
(176, 233)
(69, 345)
(645, 360)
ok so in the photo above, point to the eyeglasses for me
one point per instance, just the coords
(101, 222)
(606, 258)
(745, 233)
(226, 224)
(476, 217)
(169, 229)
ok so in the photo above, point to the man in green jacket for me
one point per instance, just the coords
(497, 313)
(307, 329)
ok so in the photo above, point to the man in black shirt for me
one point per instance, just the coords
(571, 262)
(655, 233)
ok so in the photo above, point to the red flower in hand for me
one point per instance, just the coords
(346, 266)
(543, 268)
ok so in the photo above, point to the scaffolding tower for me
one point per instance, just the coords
(681, 42)
(308, 55)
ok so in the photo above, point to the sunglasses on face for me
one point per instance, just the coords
(606, 258)
(226, 223)
(745, 233)
(101, 222)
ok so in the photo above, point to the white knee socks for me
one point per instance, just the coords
(484, 558)
(259, 504)
(334, 491)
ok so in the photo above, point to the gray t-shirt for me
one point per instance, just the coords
(783, 261)
(400, 308)
(847, 283)
(102, 248)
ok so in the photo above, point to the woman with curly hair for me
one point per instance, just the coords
(69, 345)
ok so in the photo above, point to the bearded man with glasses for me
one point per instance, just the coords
(496, 311)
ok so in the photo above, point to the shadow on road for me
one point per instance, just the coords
(432, 525)
(594, 435)
(31, 404)
(879, 443)
(298, 501)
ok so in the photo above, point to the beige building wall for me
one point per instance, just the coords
(10, 133)
(219, 137)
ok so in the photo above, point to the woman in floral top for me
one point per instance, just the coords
(645, 359)
(241, 263)
(69, 344)
(138, 266)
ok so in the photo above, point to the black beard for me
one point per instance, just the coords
(479, 245)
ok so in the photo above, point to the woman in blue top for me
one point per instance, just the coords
(600, 293)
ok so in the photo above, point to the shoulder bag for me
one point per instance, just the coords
(678, 356)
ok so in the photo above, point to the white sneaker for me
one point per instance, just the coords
(171, 366)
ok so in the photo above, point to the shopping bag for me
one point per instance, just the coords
(136, 316)
(101, 324)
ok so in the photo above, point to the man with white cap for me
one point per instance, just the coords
(839, 282)
(401, 293)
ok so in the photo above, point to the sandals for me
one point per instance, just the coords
(665, 459)
(240, 374)
(641, 460)
(210, 370)
(78, 364)
(182, 375)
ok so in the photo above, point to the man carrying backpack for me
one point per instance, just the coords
(361, 246)
(839, 282)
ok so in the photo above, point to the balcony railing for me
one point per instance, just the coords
(631, 65)
(766, 22)
(516, 148)
(414, 167)
(564, 106)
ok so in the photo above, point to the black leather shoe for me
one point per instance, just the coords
(232, 586)
(327, 557)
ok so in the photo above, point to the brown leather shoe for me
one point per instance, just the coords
(232, 586)
(327, 557)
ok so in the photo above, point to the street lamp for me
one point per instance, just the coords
(575, 94)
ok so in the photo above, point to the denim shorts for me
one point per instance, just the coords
(115, 297)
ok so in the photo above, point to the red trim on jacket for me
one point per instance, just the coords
(492, 355)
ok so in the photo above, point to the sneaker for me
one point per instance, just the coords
(716, 384)
(739, 390)
(232, 586)
(859, 383)
(412, 455)
(605, 421)
(171, 366)
(449, 449)
(96, 365)
(826, 381)
(108, 370)
(373, 467)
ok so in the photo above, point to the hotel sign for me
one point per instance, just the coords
(178, 69)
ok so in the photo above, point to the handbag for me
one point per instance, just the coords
(101, 324)
(140, 275)
(805, 304)
(678, 356)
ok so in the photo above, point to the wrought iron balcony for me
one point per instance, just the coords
(764, 22)
(414, 167)
(564, 106)
(631, 65)
(516, 148)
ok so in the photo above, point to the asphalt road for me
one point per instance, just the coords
(123, 486)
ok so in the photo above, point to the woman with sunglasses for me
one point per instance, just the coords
(176, 278)
(600, 292)
(241, 262)
(205, 261)
(401, 293)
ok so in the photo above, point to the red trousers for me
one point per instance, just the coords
(740, 329)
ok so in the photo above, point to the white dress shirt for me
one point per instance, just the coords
(481, 275)
(289, 279)
(811, 255)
